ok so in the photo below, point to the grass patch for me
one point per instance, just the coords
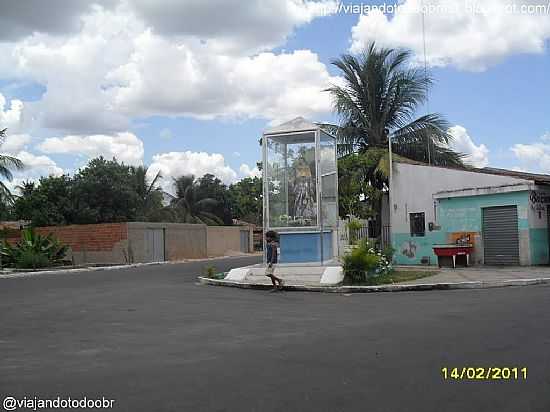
(397, 276)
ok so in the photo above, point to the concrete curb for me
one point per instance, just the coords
(382, 288)
(113, 267)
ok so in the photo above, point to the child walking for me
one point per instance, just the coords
(271, 238)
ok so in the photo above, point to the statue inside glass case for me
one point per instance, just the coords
(302, 191)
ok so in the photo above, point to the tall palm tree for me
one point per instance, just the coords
(148, 192)
(189, 208)
(379, 98)
(7, 164)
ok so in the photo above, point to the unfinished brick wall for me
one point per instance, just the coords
(94, 238)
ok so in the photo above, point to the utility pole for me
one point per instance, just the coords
(390, 202)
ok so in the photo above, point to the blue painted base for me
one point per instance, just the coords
(304, 247)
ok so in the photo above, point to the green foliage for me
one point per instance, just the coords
(7, 165)
(189, 207)
(389, 251)
(363, 262)
(379, 99)
(245, 199)
(33, 251)
(106, 191)
(210, 272)
(353, 226)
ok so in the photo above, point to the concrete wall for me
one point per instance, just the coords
(226, 240)
(539, 201)
(182, 240)
(120, 243)
(413, 189)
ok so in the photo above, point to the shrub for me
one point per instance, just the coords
(30, 259)
(33, 251)
(210, 272)
(353, 225)
(363, 262)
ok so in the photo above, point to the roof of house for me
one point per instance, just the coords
(535, 177)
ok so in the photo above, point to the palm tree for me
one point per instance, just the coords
(379, 98)
(7, 164)
(189, 208)
(148, 192)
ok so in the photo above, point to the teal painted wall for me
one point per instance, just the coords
(409, 250)
(462, 214)
(538, 241)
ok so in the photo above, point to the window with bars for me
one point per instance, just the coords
(418, 224)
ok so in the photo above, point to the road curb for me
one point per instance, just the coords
(381, 288)
(113, 267)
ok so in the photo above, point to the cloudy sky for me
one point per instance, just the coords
(187, 86)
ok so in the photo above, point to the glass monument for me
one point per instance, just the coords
(300, 185)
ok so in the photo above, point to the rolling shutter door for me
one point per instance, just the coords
(500, 235)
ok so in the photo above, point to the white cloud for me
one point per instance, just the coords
(477, 156)
(126, 147)
(38, 165)
(175, 164)
(535, 156)
(15, 143)
(116, 68)
(268, 85)
(35, 167)
(466, 37)
(10, 116)
(230, 25)
(246, 171)
(20, 19)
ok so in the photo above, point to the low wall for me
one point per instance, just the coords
(98, 243)
(139, 242)
(181, 240)
(226, 240)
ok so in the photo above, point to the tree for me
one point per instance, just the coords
(7, 165)
(149, 195)
(246, 199)
(209, 186)
(103, 192)
(46, 203)
(379, 99)
(189, 207)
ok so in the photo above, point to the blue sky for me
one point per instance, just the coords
(188, 86)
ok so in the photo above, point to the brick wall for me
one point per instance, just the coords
(91, 238)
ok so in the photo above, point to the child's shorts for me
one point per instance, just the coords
(269, 271)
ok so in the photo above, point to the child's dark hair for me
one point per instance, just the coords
(271, 235)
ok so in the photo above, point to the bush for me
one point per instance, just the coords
(364, 262)
(210, 272)
(30, 259)
(354, 225)
(33, 251)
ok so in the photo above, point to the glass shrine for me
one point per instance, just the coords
(300, 187)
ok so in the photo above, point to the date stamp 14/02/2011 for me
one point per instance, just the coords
(484, 373)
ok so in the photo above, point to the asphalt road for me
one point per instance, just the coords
(154, 340)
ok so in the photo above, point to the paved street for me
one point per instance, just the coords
(154, 340)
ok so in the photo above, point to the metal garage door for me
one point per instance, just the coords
(500, 235)
(154, 245)
(245, 241)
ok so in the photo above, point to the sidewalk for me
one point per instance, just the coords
(460, 278)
